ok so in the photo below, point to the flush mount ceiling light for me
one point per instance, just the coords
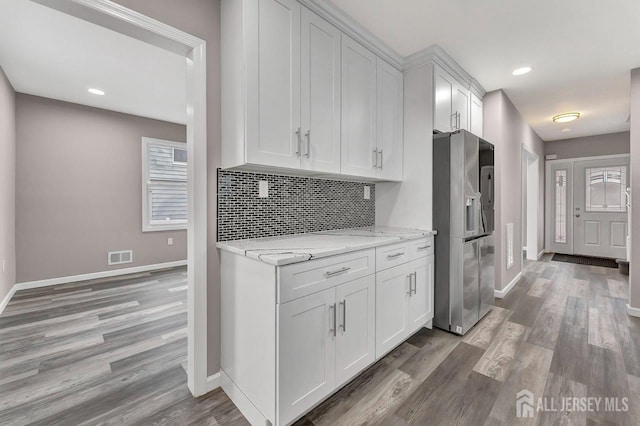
(96, 92)
(566, 117)
(521, 71)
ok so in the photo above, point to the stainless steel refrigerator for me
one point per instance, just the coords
(463, 215)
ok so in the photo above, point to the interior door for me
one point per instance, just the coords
(356, 340)
(600, 211)
(560, 205)
(320, 94)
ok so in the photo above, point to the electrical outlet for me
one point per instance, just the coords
(169, 241)
(367, 192)
(263, 189)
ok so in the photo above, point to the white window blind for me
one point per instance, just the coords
(164, 191)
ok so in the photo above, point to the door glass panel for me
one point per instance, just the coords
(604, 189)
(561, 206)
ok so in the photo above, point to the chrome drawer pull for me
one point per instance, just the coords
(338, 271)
(392, 256)
(424, 247)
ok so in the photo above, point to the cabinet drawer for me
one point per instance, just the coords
(390, 256)
(420, 248)
(301, 279)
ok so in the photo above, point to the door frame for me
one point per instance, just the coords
(549, 223)
(532, 174)
(125, 21)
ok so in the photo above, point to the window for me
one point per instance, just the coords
(604, 189)
(164, 185)
(561, 206)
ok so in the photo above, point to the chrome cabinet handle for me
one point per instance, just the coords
(453, 127)
(344, 315)
(338, 271)
(308, 135)
(424, 247)
(458, 120)
(375, 158)
(298, 133)
(393, 256)
(415, 282)
(381, 159)
(333, 329)
(409, 275)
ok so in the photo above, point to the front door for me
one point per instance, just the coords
(560, 208)
(600, 210)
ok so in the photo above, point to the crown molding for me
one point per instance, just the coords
(435, 54)
(355, 30)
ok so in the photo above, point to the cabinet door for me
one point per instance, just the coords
(306, 353)
(320, 94)
(421, 299)
(392, 308)
(476, 115)
(358, 109)
(273, 83)
(462, 102)
(444, 87)
(389, 132)
(355, 344)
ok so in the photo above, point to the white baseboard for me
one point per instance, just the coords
(246, 407)
(7, 298)
(213, 382)
(541, 253)
(96, 275)
(502, 293)
(634, 312)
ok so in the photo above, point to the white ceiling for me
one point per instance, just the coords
(581, 51)
(51, 54)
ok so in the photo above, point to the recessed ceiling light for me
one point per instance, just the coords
(521, 71)
(566, 117)
(96, 92)
(566, 129)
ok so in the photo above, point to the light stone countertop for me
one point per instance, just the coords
(288, 249)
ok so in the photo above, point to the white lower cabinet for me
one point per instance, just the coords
(326, 338)
(292, 335)
(306, 350)
(404, 302)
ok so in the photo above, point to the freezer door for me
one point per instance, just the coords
(487, 274)
(471, 285)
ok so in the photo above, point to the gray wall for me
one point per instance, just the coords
(201, 18)
(79, 189)
(7, 185)
(634, 279)
(508, 131)
(590, 146)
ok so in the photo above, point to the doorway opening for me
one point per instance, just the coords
(530, 203)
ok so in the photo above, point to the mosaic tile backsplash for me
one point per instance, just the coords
(295, 205)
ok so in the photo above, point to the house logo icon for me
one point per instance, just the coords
(524, 404)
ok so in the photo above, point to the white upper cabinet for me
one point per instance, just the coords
(444, 89)
(476, 115)
(389, 132)
(299, 94)
(320, 43)
(358, 110)
(273, 85)
(452, 103)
